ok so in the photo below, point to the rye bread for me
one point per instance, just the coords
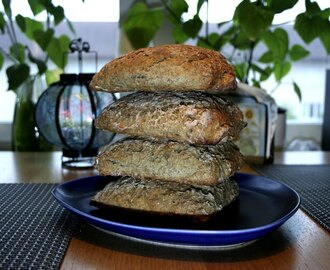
(167, 68)
(192, 117)
(159, 197)
(170, 161)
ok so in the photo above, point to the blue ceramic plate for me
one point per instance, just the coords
(263, 206)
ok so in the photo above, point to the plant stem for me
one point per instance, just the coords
(252, 46)
(231, 56)
(11, 30)
(11, 37)
(178, 19)
(274, 89)
(8, 55)
(207, 20)
(47, 28)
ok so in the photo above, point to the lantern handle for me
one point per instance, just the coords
(77, 45)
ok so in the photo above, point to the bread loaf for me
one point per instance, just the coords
(199, 202)
(170, 161)
(167, 68)
(192, 117)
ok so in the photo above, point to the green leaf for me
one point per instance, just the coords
(298, 52)
(2, 59)
(256, 68)
(241, 71)
(204, 43)
(17, 74)
(57, 49)
(192, 26)
(213, 41)
(281, 69)
(263, 72)
(20, 20)
(241, 41)
(36, 7)
(2, 23)
(17, 50)
(312, 7)
(266, 73)
(325, 38)
(53, 75)
(278, 6)
(266, 58)
(142, 24)
(253, 19)
(43, 38)
(325, 13)
(200, 3)
(57, 12)
(28, 25)
(297, 90)
(7, 7)
(216, 41)
(310, 27)
(256, 83)
(277, 42)
(313, 24)
(179, 7)
(222, 24)
(179, 35)
(71, 27)
(46, 3)
(213, 38)
(42, 67)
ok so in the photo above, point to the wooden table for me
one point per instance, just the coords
(300, 243)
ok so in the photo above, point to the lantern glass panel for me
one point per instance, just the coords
(75, 116)
(65, 116)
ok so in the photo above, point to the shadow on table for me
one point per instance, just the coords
(269, 245)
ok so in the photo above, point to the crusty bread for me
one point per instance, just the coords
(199, 202)
(166, 68)
(170, 161)
(192, 117)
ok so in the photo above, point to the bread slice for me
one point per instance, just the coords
(192, 117)
(170, 161)
(167, 68)
(159, 197)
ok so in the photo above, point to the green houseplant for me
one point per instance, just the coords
(26, 70)
(251, 25)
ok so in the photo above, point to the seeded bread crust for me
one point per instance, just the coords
(170, 161)
(167, 68)
(192, 117)
(159, 197)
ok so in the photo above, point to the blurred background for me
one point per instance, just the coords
(98, 22)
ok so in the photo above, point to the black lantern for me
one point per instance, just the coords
(66, 111)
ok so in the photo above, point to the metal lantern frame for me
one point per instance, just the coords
(76, 153)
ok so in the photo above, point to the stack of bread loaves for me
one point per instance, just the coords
(178, 157)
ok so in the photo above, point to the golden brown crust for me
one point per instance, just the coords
(167, 68)
(192, 117)
(170, 161)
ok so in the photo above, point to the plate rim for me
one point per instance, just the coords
(186, 232)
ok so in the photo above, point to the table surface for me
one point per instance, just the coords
(300, 243)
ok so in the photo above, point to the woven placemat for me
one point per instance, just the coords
(312, 182)
(34, 229)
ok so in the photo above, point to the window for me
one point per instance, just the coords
(309, 73)
(102, 16)
(77, 10)
(100, 13)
